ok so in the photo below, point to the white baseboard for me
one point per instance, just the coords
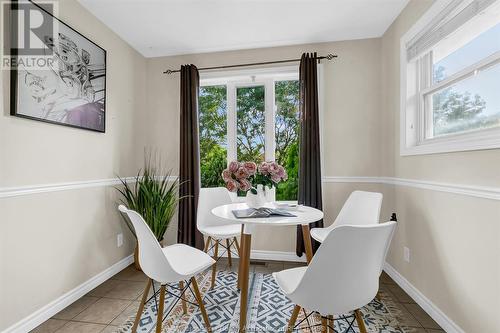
(49, 310)
(273, 255)
(432, 310)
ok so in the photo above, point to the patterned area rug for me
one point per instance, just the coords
(269, 310)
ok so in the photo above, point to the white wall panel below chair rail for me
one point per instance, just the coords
(485, 192)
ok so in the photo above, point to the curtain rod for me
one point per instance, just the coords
(327, 57)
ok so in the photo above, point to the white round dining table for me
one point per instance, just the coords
(303, 216)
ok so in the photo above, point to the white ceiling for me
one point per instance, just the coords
(169, 27)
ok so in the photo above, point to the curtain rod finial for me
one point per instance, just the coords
(331, 56)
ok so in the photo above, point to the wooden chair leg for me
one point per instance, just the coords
(214, 266)
(198, 297)
(330, 324)
(228, 245)
(159, 319)
(207, 244)
(141, 306)
(324, 324)
(293, 319)
(184, 306)
(360, 321)
(237, 246)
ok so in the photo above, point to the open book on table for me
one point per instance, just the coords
(260, 212)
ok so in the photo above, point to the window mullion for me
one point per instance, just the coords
(231, 123)
(270, 144)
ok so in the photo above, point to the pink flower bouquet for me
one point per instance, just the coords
(244, 176)
(237, 176)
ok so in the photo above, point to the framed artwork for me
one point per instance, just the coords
(67, 88)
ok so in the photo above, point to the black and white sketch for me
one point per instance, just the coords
(71, 88)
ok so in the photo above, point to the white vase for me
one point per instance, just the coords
(270, 193)
(256, 200)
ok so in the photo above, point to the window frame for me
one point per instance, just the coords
(415, 111)
(233, 80)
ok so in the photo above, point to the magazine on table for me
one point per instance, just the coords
(261, 212)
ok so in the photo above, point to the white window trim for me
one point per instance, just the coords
(412, 129)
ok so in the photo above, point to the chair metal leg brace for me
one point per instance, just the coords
(160, 306)
(235, 242)
(327, 322)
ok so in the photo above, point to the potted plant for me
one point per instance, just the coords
(254, 180)
(153, 195)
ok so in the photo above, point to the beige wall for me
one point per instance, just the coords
(52, 242)
(454, 239)
(352, 115)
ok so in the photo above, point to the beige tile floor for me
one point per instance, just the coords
(108, 306)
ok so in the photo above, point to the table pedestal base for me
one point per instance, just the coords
(244, 268)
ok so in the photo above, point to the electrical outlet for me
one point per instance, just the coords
(406, 254)
(119, 240)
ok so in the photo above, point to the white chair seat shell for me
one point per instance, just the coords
(186, 260)
(173, 263)
(221, 231)
(344, 273)
(319, 234)
(289, 279)
(360, 208)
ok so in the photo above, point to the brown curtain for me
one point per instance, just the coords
(189, 166)
(309, 152)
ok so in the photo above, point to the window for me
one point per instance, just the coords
(213, 138)
(450, 79)
(250, 116)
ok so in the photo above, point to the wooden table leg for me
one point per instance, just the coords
(240, 252)
(244, 270)
(307, 242)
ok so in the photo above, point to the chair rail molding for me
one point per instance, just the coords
(484, 192)
(7, 192)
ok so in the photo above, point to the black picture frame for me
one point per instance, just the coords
(14, 87)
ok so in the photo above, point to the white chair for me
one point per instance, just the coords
(172, 264)
(214, 228)
(361, 208)
(343, 275)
